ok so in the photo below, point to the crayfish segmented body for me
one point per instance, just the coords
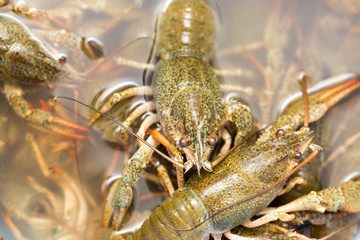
(186, 88)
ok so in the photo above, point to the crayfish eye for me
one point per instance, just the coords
(280, 133)
(62, 59)
(184, 142)
(297, 154)
(212, 141)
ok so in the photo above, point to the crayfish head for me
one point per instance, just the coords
(200, 139)
(296, 143)
(28, 61)
(306, 138)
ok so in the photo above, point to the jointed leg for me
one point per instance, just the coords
(120, 194)
(291, 184)
(175, 152)
(119, 96)
(145, 125)
(240, 115)
(39, 118)
(227, 142)
(140, 110)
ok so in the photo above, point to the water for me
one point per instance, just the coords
(325, 40)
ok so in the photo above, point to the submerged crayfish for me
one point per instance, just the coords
(175, 65)
(30, 206)
(248, 179)
(187, 96)
(25, 60)
(186, 89)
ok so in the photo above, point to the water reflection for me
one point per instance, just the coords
(269, 40)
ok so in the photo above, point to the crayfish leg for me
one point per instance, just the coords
(120, 194)
(273, 216)
(344, 198)
(140, 110)
(263, 232)
(39, 118)
(119, 96)
(292, 183)
(175, 151)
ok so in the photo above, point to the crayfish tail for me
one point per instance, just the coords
(183, 210)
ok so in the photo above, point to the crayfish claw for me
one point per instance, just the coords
(117, 202)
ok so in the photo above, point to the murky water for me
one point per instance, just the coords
(269, 42)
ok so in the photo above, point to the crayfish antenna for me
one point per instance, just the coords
(339, 230)
(302, 77)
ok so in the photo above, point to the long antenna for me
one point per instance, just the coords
(339, 230)
(127, 129)
(302, 77)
